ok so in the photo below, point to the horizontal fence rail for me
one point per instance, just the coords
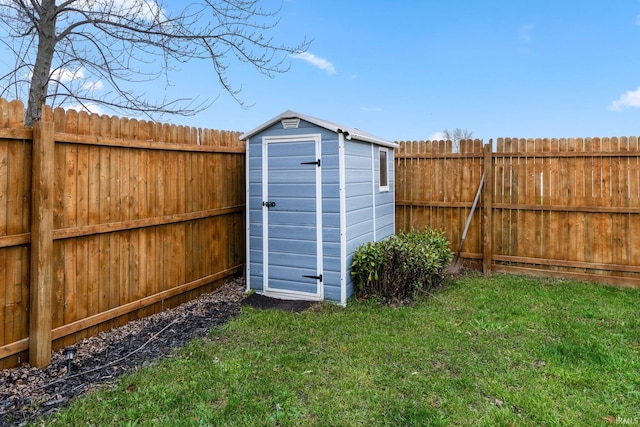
(553, 207)
(119, 219)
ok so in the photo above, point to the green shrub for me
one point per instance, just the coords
(399, 268)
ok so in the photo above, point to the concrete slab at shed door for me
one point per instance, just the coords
(292, 216)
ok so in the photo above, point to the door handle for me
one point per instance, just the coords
(317, 163)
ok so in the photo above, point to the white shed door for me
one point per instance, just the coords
(292, 217)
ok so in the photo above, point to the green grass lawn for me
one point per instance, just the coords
(504, 350)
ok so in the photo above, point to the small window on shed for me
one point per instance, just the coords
(384, 168)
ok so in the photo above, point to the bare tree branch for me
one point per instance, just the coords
(455, 136)
(63, 50)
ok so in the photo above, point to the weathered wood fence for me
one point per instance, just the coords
(553, 207)
(103, 220)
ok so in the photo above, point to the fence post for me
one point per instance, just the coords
(40, 319)
(487, 212)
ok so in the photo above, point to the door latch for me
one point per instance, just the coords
(269, 204)
(317, 163)
(319, 277)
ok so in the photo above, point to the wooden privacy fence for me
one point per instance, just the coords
(553, 207)
(103, 220)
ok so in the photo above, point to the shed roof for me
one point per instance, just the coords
(349, 132)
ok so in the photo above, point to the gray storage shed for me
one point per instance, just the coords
(316, 190)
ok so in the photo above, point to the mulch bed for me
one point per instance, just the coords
(28, 394)
(262, 302)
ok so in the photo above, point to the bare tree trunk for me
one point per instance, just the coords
(46, 28)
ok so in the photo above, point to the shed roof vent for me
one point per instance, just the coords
(290, 123)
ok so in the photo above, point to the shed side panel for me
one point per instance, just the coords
(360, 197)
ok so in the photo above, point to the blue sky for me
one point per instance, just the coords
(405, 70)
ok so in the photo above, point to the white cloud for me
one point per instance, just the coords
(438, 136)
(149, 10)
(629, 99)
(372, 109)
(67, 74)
(316, 61)
(93, 86)
(89, 107)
